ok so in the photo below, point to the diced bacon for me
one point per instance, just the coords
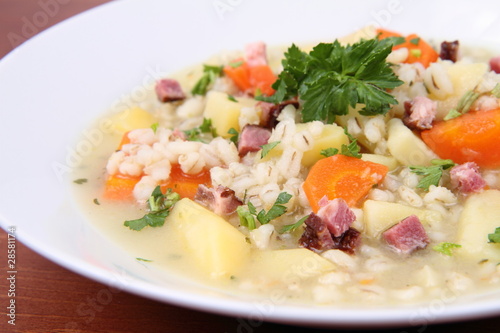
(348, 241)
(270, 112)
(495, 64)
(221, 200)
(407, 236)
(336, 214)
(467, 178)
(255, 54)
(420, 113)
(449, 51)
(316, 235)
(252, 137)
(318, 238)
(169, 90)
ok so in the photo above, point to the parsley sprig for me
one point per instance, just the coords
(352, 149)
(294, 226)
(247, 217)
(210, 74)
(446, 248)
(196, 134)
(159, 207)
(494, 237)
(432, 174)
(332, 77)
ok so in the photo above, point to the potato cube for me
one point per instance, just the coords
(223, 112)
(479, 218)
(388, 161)
(131, 119)
(215, 246)
(332, 136)
(406, 147)
(381, 215)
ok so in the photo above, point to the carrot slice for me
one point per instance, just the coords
(419, 50)
(125, 140)
(184, 184)
(239, 74)
(120, 187)
(341, 176)
(472, 137)
(262, 78)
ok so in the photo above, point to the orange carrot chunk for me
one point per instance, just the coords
(341, 176)
(239, 74)
(184, 184)
(262, 78)
(120, 187)
(418, 49)
(472, 137)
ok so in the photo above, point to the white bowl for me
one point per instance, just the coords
(56, 84)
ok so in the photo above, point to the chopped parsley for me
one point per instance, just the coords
(446, 248)
(352, 149)
(96, 201)
(247, 217)
(267, 148)
(231, 98)
(234, 135)
(494, 237)
(432, 174)
(496, 90)
(293, 227)
(196, 134)
(463, 105)
(80, 181)
(415, 40)
(154, 127)
(236, 64)
(332, 77)
(159, 207)
(142, 259)
(210, 74)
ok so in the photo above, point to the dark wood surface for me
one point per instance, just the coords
(49, 298)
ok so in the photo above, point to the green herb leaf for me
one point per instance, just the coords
(246, 218)
(446, 248)
(432, 174)
(210, 74)
(496, 90)
(352, 149)
(293, 227)
(154, 127)
(415, 40)
(267, 148)
(494, 237)
(142, 259)
(231, 98)
(159, 207)
(196, 134)
(236, 64)
(463, 105)
(276, 210)
(80, 181)
(417, 53)
(329, 152)
(96, 201)
(331, 78)
(234, 135)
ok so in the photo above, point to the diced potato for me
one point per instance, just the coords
(480, 217)
(332, 136)
(464, 77)
(217, 247)
(381, 215)
(406, 147)
(131, 119)
(289, 265)
(388, 161)
(223, 112)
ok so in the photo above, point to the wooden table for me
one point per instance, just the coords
(50, 298)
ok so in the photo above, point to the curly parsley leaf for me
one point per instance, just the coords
(247, 216)
(159, 208)
(210, 74)
(196, 134)
(235, 135)
(352, 149)
(293, 227)
(332, 77)
(432, 174)
(494, 237)
(329, 152)
(267, 148)
(446, 248)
